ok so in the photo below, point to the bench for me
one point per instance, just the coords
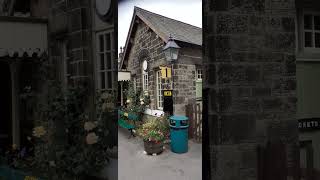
(123, 122)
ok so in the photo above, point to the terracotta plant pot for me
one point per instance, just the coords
(152, 147)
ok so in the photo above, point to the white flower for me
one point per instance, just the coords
(29, 138)
(141, 99)
(106, 106)
(52, 163)
(88, 126)
(142, 103)
(92, 138)
(105, 95)
(128, 101)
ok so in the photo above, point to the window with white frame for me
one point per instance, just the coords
(311, 30)
(145, 80)
(199, 74)
(105, 57)
(159, 90)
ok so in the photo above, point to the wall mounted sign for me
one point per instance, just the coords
(165, 72)
(167, 93)
(104, 9)
(309, 124)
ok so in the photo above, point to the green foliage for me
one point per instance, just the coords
(137, 101)
(67, 142)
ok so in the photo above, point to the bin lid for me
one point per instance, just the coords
(179, 118)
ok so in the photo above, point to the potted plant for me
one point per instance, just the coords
(154, 132)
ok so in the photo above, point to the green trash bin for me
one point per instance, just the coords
(179, 134)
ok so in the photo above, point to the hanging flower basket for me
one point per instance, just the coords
(152, 147)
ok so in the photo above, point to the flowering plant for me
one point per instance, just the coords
(68, 141)
(156, 130)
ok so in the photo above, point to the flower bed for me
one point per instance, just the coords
(67, 143)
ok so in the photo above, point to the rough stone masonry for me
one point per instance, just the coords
(250, 87)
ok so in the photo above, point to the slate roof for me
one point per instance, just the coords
(165, 27)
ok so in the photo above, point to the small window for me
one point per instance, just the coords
(105, 57)
(311, 26)
(199, 74)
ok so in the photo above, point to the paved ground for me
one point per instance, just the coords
(135, 165)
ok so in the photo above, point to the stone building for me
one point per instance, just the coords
(261, 60)
(77, 37)
(147, 36)
(23, 43)
(82, 44)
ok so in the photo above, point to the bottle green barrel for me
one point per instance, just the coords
(179, 134)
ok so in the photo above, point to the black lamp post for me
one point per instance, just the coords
(171, 51)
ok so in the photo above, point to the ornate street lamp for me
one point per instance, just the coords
(171, 50)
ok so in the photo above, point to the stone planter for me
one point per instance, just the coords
(152, 147)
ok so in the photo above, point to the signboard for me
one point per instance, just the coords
(168, 101)
(165, 72)
(309, 124)
(167, 93)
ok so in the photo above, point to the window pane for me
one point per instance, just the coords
(109, 79)
(307, 39)
(307, 21)
(101, 42)
(317, 40)
(102, 65)
(108, 46)
(317, 22)
(108, 60)
(103, 80)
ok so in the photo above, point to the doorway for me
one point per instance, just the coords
(5, 107)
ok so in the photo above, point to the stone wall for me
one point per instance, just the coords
(70, 22)
(250, 85)
(148, 45)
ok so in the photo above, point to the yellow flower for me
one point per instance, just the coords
(125, 114)
(92, 138)
(39, 131)
(88, 126)
(14, 146)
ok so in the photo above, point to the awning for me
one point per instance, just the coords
(123, 76)
(20, 52)
(22, 36)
